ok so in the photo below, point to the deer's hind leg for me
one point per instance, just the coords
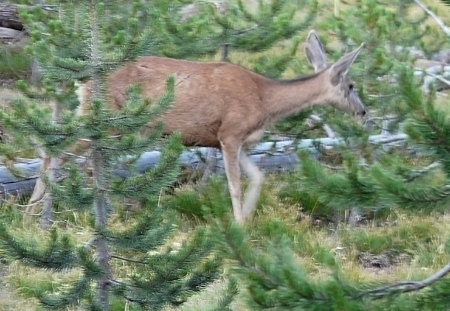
(255, 176)
(231, 152)
(256, 179)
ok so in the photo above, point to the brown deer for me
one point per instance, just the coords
(218, 104)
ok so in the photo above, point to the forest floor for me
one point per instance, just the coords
(9, 299)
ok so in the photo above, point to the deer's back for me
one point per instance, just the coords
(207, 95)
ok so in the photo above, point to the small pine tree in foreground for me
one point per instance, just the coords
(126, 261)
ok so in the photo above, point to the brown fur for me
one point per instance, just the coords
(212, 100)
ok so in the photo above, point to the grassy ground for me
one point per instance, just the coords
(14, 64)
(403, 246)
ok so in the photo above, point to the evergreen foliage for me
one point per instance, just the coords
(393, 36)
(237, 25)
(275, 280)
(365, 175)
(394, 180)
(74, 44)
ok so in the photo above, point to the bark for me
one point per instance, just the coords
(101, 219)
(46, 219)
(9, 17)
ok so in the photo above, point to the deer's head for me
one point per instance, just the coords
(341, 91)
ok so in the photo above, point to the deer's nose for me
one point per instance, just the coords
(360, 113)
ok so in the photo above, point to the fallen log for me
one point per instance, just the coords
(11, 185)
(9, 17)
(10, 34)
(269, 156)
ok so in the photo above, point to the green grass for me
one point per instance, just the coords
(405, 236)
(419, 242)
(14, 64)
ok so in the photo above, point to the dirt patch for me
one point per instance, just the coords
(6, 82)
(382, 263)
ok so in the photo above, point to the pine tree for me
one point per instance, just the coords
(75, 45)
(392, 35)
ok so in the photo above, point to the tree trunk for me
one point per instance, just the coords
(101, 219)
(47, 212)
(99, 175)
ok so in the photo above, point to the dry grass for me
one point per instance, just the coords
(9, 299)
(427, 256)
(7, 95)
(440, 9)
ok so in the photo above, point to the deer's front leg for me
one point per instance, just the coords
(230, 153)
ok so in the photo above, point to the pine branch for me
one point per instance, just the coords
(69, 297)
(405, 287)
(58, 254)
(157, 178)
(229, 294)
(150, 231)
(418, 173)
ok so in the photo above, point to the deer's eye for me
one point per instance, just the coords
(351, 86)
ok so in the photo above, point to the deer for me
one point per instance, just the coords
(225, 106)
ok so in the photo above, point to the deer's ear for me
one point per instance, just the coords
(315, 52)
(341, 67)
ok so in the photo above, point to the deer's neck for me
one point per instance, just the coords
(282, 98)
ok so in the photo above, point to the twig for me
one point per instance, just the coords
(417, 173)
(441, 24)
(440, 78)
(386, 117)
(129, 260)
(75, 155)
(23, 205)
(90, 243)
(120, 283)
(38, 147)
(382, 95)
(318, 120)
(407, 286)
